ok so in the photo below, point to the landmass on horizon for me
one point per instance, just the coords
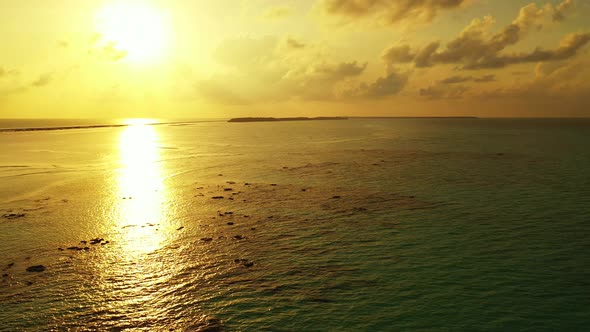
(321, 118)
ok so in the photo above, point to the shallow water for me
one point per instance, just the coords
(358, 225)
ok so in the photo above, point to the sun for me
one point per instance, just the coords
(135, 29)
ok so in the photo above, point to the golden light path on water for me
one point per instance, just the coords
(142, 208)
(128, 276)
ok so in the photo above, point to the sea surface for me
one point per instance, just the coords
(352, 225)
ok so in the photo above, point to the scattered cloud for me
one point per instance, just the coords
(387, 11)
(564, 79)
(388, 85)
(10, 87)
(453, 87)
(462, 79)
(105, 50)
(112, 53)
(475, 48)
(7, 72)
(443, 91)
(63, 44)
(43, 80)
(293, 43)
(561, 9)
(265, 70)
(278, 13)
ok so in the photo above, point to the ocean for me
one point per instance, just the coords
(351, 225)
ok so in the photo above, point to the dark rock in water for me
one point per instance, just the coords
(207, 239)
(86, 248)
(13, 215)
(60, 249)
(240, 260)
(303, 189)
(219, 174)
(83, 242)
(10, 265)
(36, 268)
(246, 184)
(239, 237)
(229, 212)
(96, 240)
(227, 189)
(5, 275)
(179, 228)
(248, 264)
(253, 228)
(230, 223)
(246, 216)
(230, 182)
(217, 197)
(29, 283)
(335, 197)
(273, 184)
(73, 248)
(231, 198)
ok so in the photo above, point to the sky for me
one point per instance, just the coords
(180, 59)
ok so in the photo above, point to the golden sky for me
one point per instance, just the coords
(227, 58)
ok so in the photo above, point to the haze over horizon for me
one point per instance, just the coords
(223, 59)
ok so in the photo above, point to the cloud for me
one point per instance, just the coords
(475, 48)
(62, 44)
(43, 80)
(453, 87)
(561, 9)
(7, 72)
(277, 13)
(111, 53)
(293, 43)
(569, 47)
(441, 91)
(10, 87)
(463, 79)
(387, 11)
(269, 69)
(388, 85)
(485, 79)
(105, 50)
(557, 80)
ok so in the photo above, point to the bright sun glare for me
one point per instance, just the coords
(134, 27)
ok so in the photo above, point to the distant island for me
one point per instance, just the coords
(256, 119)
(414, 117)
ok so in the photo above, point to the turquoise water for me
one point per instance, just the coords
(358, 225)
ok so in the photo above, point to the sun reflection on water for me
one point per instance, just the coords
(142, 208)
